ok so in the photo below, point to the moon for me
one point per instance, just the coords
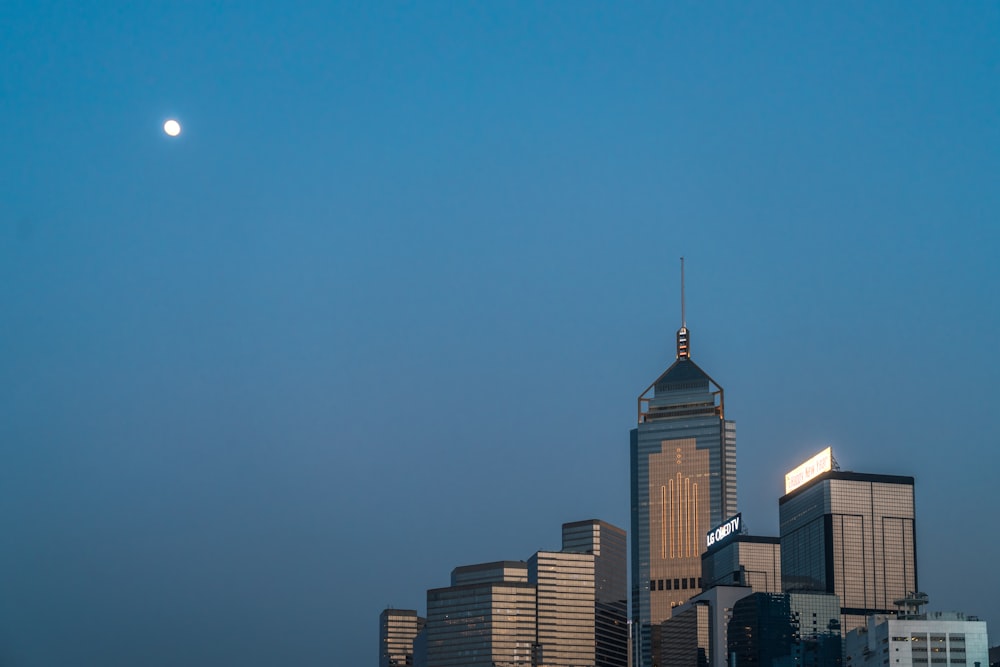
(172, 127)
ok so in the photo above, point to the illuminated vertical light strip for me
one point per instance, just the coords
(686, 520)
(670, 486)
(680, 517)
(691, 525)
(682, 484)
(679, 520)
(694, 513)
(663, 522)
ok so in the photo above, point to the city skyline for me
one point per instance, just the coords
(385, 304)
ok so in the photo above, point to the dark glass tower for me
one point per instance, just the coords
(785, 629)
(683, 479)
(850, 534)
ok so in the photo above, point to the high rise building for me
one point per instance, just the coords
(850, 534)
(397, 629)
(683, 481)
(608, 545)
(565, 608)
(486, 618)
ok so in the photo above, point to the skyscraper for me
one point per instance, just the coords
(565, 609)
(608, 545)
(683, 481)
(396, 631)
(850, 534)
(485, 618)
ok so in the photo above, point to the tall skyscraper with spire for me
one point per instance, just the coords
(683, 472)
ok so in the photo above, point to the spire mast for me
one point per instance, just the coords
(683, 318)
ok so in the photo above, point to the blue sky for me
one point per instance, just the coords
(386, 304)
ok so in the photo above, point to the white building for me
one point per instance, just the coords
(937, 639)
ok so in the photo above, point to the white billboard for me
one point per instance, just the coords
(726, 530)
(822, 462)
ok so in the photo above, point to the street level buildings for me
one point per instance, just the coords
(683, 481)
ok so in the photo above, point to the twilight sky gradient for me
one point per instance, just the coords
(385, 306)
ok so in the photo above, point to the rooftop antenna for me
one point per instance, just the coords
(683, 342)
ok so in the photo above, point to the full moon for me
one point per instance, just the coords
(172, 127)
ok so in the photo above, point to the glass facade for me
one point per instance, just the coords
(683, 482)
(608, 545)
(801, 629)
(715, 607)
(397, 629)
(852, 535)
(486, 618)
(565, 608)
(685, 638)
(744, 560)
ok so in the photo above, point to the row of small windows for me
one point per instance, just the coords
(954, 638)
(676, 584)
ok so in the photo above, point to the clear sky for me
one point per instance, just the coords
(385, 306)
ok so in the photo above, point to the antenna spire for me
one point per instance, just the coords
(683, 319)
(683, 340)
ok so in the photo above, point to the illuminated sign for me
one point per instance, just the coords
(730, 527)
(822, 462)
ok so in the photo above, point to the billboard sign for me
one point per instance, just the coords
(725, 531)
(817, 465)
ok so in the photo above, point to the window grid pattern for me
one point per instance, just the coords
(610, 548)
(942, 639)
(477, 625)
(565, 608)
(397, 630)
(851, 535)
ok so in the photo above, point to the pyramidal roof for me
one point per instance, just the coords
(683, 385)
(682, 374)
